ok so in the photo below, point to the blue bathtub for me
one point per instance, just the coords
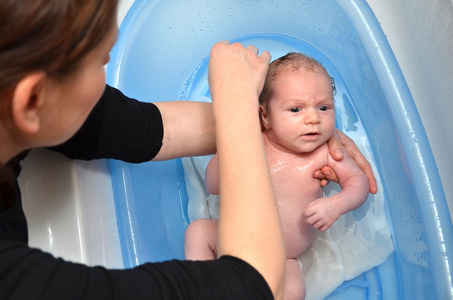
(161, 55)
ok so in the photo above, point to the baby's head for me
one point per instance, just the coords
(296, 105)
(292, 61)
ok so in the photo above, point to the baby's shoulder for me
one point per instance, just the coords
(317, 158)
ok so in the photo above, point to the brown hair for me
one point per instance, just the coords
(49, 35)
(52, 36)
(293, 61)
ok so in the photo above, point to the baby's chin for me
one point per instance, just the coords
(305, 148)
(310, 144)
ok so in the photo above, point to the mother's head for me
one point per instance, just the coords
(52, 57)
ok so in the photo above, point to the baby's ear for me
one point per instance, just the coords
(264, 120)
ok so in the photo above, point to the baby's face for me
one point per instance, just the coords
(301, 114)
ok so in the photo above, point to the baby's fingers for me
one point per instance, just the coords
(309, 211)
(323, 228)
(311, 217)
(318, 223)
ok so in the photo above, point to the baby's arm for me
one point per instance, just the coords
(212, 176)
(323, 212)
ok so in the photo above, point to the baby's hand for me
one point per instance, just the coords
(321, 213)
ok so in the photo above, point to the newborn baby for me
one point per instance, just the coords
(298, 117)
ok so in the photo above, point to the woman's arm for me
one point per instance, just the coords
(249, 225)
(189, 129)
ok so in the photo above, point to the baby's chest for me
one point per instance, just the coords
(293, 180)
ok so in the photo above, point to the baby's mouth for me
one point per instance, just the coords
(311, 136)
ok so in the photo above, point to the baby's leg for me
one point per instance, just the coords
(201, 240)
(295, 286)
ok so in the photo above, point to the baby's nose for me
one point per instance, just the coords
(312, 116)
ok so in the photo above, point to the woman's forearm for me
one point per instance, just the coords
(249, 224)
(189, 129)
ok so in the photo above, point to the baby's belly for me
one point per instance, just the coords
(298, 234)
(295, 188)
(298, 238)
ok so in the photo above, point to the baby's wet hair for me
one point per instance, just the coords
(334, 88)
(294, 61)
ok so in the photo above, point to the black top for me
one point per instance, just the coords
(125, 129)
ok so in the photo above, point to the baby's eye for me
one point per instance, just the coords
(295, 109)
(323, 108)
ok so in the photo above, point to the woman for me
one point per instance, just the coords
(52, 91)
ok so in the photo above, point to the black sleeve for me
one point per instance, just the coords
(119, 127)
(27, 273)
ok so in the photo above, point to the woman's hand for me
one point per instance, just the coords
(232, 65)
(337, 143)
